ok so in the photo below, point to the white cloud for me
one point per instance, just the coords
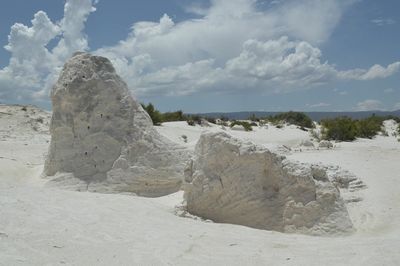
(318, 105)
(281, 61)
(33, 68)
(234, 45)
(375, 72)
(369, 105)
(383, 21)
(396, 106)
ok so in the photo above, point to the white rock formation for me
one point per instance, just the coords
(325, 144)
(307, 143)
(102, 139)
(238, 128)
(234, 182)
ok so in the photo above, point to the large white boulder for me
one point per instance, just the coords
(102, 139)
(230, 181)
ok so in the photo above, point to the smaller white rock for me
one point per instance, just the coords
(325, 144)
(307, 143)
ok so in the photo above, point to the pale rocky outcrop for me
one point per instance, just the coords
(307, 143)
(102, 139)
(234, 182)
(325, 144)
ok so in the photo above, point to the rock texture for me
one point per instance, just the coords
(102, 139)
(325, 144)
(234, 182)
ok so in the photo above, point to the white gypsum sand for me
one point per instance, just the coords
(48, 226)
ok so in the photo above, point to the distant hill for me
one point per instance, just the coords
(316, 116)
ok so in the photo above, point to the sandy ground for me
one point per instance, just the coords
(45, 226)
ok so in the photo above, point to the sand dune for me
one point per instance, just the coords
(48, 226)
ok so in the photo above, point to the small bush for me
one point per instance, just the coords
(244, 124)
(154, 114)
(157, 117)
(294, 118)
(211, 120)
(193, 120)
(347, 129)
(39, 120)
(173, 116)
(341, 128)
(369, 127)
(190, 122)
(253, 124)
(315, 135)
(24, 108)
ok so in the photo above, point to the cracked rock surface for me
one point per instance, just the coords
(231, 181)
(102, 139)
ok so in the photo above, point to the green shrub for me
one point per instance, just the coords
(154, 114)
(347, 129)
(190, 122)
(193, 120)
(246, 125)
(157, 117)
(211, 120)
(173, 116)
(369, 127)
(253, 124)
(341, 128)
(294, 118)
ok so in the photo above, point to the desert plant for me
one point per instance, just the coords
(173, 116)
(347, 129)
(369, 127)
(190, 122)
(211, 120)
(154, 114)
(157, 117)
(193, 120)
(294, 118)
(340, 128)
(246, 125)
(315, 135)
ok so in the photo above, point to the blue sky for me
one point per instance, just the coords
(219, 55)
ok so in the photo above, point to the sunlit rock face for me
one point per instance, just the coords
(102, 139)
(230, 181)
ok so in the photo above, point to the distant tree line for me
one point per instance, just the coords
(157, 117)
(341, 128)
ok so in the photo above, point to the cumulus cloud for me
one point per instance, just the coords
(33, 67)
(369, 105)
(233, 45)
(375, 72)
